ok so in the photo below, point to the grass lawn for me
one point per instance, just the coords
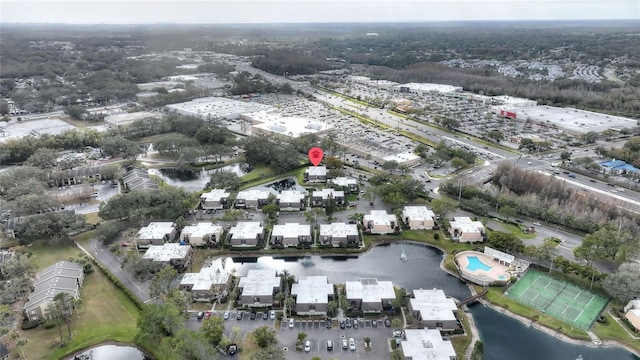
(92, 218)
(613, 330)
(496, 297)
(461, 342)
(105, 314)
(257, 173)
(515, 230)
(248, 347)
(256, 179)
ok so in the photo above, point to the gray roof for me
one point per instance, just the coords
(138, 179)
(60, 277)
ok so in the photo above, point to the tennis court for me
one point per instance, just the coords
(557, 298)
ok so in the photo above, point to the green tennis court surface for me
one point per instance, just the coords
(557, 298)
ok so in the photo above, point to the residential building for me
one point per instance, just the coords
(316, 174)
(173, 254)
(312, 295)
(321, 197)
(61, 277)
(291, 234)
(138, 179)
(420, 344)
(418, 217)
(349, 184)
(463, 229)
(632, 313)
(75, 176)
(339, 234)
(258, 288)
(156, 233)
(434, 310)
(290, 200)
(370, 295)
(379, 222)
(208, 284)
(215, 199)
(245, 233)
(251, 199)
(201, 234)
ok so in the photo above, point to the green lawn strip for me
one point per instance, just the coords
(257, 172)
(344, 96)
(152, 138)
(613, 330)
(515, 230)
(496, 297)
(298, 173)
(461, 342)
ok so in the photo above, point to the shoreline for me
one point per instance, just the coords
(473, 331)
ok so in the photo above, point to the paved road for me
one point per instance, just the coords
(113, 264)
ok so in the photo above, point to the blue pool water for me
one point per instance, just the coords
(476, 264)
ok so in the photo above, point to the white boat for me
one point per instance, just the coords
(403, 256)
(579, 357)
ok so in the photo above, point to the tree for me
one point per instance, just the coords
(161, 284)
(264, 336)
(18, 266)
(507, 212)
(117, 146)
(157, 320)
(441, 207)
(565, 156)
(332, 308)
(605, 243)
(478, 351)
(624, 284)
(390, 165)
(458, 163)
(60, 310)
(590, 137)
(136, 265)
(77, 112)
(193, 345)
(43, 158)
(495, 135)
(450, 123)
(107, 232)
(505, 242)
(213, 329)
(270, 210)
(223, 180)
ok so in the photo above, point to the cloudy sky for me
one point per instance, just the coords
(302, 11)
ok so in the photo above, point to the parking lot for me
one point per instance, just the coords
(317, 334)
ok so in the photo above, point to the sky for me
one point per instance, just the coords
(309, 11)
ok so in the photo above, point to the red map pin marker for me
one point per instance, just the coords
(315, 155)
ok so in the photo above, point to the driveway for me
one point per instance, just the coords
(113, 264)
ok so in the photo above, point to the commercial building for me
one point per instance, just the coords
(370, 295)
(208, 284)
(632, 313)
(254, 198)
(420, 344)
(418, 217)
(463, 229)
(379, 222)
(217, 108)
(291, 234)
(173, 254)
(617, 167)
(290, 200)
(350, 185)
(270, 124)
(434, 310)
(156, 233)
(312, 295)
(339, 234)
(422, 89)
(201, 234)
(117, 120)
(406, 159)
(215, 199)
(316, 174)
(514, 101)
(321, 197)
(61, 277)
(258, 288)
(245, 233)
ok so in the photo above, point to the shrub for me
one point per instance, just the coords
(436, 236)
(49, 324)
(30, 324)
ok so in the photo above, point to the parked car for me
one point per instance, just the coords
(265, 316)
(345, 344)
(226, 315)
(347, 322)
(200, 315)
(240, 315)
(352, 344)
(207, 315)
(355, 323)
(253, 315)
(398, 333)
(374, 323)
(329, 345)
(232, 349)
(291, 323)
(328, 323)
(342, 324)
(387, 322)
(272, 315)
(307, 346)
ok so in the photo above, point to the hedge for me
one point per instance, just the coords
(139, 304)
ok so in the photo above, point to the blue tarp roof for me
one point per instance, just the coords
(628, 167)
(613, 163)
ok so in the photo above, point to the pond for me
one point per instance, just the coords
(111, 352)
(278, 186)
(195, 180)
(505, 338)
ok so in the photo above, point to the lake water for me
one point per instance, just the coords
(111, 352)
(191, 180)
(505, 338)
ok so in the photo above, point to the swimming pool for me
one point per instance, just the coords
(476, 264)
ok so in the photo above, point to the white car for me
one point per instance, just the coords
(352, 344)
(272, 314)
(291, 323)
(307, 346)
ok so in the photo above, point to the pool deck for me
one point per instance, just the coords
(479, 275)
